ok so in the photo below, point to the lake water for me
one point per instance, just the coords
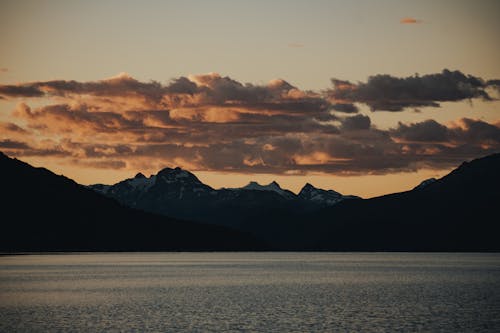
(250, 292)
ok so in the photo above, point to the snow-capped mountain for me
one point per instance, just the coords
(174, 184)
(327, 197)
(271, 187)
(171, 183)
(179, 193)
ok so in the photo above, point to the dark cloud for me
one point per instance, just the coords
(477, 131)
(357, 122)
(380, 92)
(11, 127)
(466, 132)
(357, 148)
(20, 91)
(345, 107)
(182, 85)
(389, 93)
(127, 94)
(63, 117)
(11, 144)
(426, 131)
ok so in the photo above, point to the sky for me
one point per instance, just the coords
(364, 97)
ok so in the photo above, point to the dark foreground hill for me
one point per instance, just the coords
(41, 211)
(459, 212)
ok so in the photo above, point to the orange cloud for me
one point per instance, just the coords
(212, 122)
(409, 20)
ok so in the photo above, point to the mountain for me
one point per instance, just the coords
(42, 211)
(425, 183)
(167, 186)
(448, 214)
(45, 212)
(271, 187)
(158, 193)
(455, 213)
(267, 211)
(327, 197)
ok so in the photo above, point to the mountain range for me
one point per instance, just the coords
(453, 213)
(267, 211)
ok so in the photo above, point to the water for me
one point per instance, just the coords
(250, 292)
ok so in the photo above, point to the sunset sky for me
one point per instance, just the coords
(364, 97)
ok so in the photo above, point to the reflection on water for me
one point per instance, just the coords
(265, 292)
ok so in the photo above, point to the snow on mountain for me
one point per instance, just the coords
(141, 182)
(272, 187)
(178, 184)
(173, 182)
(328, 197)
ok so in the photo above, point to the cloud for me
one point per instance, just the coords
(345, 107)
(212, 122)
(357, 122)
(11, 144)
(295, 45)
(410, 20)
(3, 70)
(426, 131)
(101, 164)
(465, 131)
(20, 91)
(11, 127)
(389, 93)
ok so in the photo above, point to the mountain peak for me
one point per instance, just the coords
(272, 187)
(425, 183)
(177, 173)
(181, 180)
(311, 193)
(308, 186)
(253, 185)
(274, 184)
(139, 176)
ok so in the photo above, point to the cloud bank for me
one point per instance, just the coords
(389, 93)
(211, 122)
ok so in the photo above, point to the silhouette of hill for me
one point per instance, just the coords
(45, 212)
(458, 212)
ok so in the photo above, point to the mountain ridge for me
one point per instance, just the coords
(251, 186)
(45, 212)
(454, 213)
(262, 210)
